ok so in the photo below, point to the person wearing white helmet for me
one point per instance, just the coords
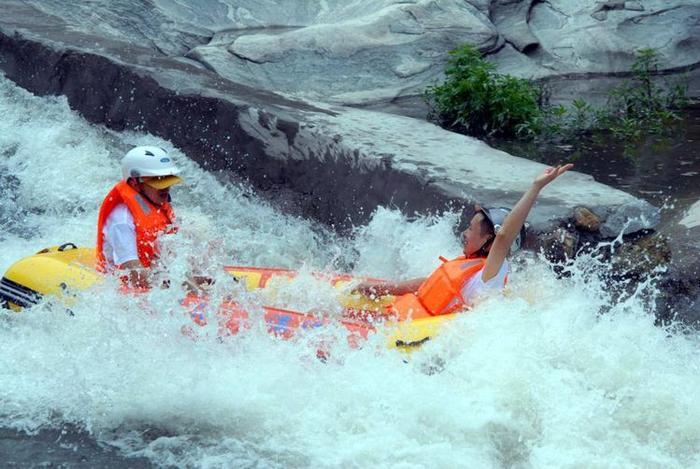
(490, 236)
(135, 213)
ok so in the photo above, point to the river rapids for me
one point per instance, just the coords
(560, 371)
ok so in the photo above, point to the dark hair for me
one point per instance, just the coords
(486, 228)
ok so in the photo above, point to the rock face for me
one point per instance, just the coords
(598, 39)
(340, 163)
(680, 299)
(382, 53)
(372, 54)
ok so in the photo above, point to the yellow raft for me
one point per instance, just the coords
(58, 270)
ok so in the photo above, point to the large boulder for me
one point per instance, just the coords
(588, 46)
(338, 163)
(368, 55)
(383, 53)
(680, 287)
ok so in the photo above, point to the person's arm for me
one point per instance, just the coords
(121, 235)
(515, 221)
(380, 288)
(138, 276)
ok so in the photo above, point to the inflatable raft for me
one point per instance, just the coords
(57, 271)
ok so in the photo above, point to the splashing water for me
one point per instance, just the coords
(539, 377)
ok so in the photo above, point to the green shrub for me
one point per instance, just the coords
(476, 100)
(641, 106)
(636, 108)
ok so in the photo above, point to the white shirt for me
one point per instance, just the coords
(476, 286)
(119, 237)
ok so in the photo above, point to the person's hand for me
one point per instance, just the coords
(550, 174)
(363, 288)
(369, 289)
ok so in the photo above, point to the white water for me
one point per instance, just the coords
(536, 379)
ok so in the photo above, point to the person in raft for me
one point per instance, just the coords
(454, 284)
(135, 213)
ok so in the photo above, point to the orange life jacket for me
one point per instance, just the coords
(150, 222)
(441, 293)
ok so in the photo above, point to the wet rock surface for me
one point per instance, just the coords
(591, 45)
(643, 256)
(340, 163)
(559, 245)
(680, 286)
(382, 53)
(586, 220)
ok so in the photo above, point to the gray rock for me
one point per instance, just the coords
(370, 55)
(643, 256)
(691, 218)
(559, 245)
(578, 43)
(629, 218)
(340, 162)
(634, 6)
(511, 20)
(691, 314)
(679, 298)
(600, 14)
(601, 10)
(381, 54)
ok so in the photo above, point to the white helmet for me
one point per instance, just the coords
(496, 216)
(148, 161)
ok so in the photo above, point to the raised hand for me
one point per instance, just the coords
(550, 174)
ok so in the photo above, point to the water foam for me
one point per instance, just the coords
(559, 372)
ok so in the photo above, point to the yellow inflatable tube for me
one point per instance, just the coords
(58, 270)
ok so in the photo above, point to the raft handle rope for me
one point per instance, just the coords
(414, 343)
(65, 246)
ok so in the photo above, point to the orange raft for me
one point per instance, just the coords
(360, 314)
(59, 270)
